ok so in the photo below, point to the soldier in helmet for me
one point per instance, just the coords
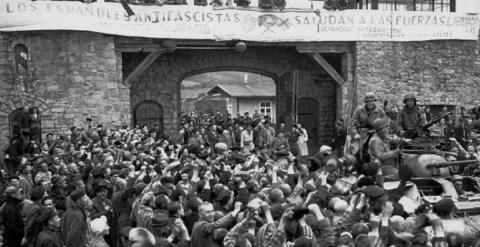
(410, 119)
(363, 118)
(379, 149)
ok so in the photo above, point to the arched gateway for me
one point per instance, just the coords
(160, 80)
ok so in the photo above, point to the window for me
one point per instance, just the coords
(266, 108)
(21, 58)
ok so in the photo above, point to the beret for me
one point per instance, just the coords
(37, 193)
(374, 191)
(76, 194)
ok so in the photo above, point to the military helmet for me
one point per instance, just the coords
(409, 96)
(370, 96)
(379, 123)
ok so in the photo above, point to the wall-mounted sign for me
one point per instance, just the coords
(197, 22)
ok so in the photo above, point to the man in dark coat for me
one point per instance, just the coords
(50, 222)
(202, 234)
(59, 192)
(74, 222)
(11, 217)
(22, 120)
(462, 132)
(13, 155)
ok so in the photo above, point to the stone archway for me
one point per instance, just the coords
(161, 81)
(15, 101)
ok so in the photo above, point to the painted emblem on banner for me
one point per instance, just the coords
(268, 23)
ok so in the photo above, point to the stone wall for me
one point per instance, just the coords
(438, 72)
(161, 81)
(71, 75)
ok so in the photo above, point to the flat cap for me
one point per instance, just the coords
(374, 191)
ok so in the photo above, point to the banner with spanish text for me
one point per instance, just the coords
(249, 24)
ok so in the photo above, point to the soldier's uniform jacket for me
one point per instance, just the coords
(379, 151)
(364, 119)
(409, 119)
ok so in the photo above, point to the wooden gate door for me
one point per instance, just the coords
(307, 117)
(148, 113)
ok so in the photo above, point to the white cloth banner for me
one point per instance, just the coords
(196, 22)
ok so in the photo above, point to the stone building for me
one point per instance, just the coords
(118, 80)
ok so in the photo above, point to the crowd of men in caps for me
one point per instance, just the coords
(221, 181)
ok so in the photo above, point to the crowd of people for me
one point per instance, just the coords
(220, 181)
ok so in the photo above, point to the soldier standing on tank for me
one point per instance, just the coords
(410, 119)
(362, 120)
(379, 149)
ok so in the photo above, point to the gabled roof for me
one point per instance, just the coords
(244, 90)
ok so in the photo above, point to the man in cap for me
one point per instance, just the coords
(74, 222)
(457, 181)
(410, 119)
(11, 217)
(364, 116)
(59, 191)
(378, 147)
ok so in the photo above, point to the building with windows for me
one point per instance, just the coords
(238, 99)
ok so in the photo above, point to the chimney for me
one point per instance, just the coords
(245, 78)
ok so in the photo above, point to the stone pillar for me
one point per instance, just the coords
(73, 75)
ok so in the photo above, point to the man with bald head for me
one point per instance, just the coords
(202, 234)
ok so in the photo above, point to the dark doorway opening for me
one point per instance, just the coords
(307, 116)
(148, 113)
